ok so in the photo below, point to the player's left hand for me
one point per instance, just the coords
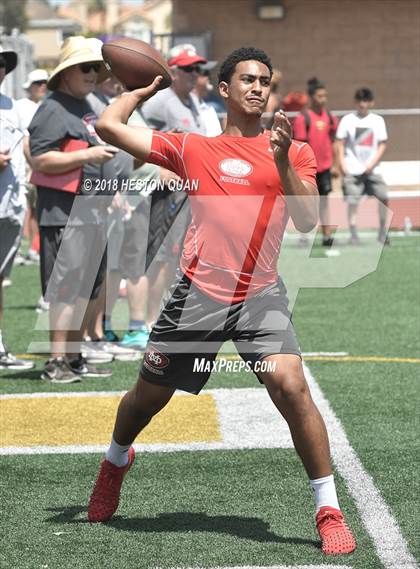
(281, 136)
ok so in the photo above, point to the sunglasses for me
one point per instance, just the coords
(39, 83)
(87, 67)
(190, 68)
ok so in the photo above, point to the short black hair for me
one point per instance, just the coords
(364, 94)
(227, 69)
(313, 84)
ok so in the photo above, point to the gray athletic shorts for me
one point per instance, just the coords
(354, 187)
(115, 239)
(72, 262)
(134, 246)
(10, 236)
(193, 327)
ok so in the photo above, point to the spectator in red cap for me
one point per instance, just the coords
(174, 108)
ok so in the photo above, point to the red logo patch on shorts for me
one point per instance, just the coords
(156, 360)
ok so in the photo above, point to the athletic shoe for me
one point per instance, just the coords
(110, 336)
(93, 353)
(336, 537)
(6, 283)
(105, 497)
(327, 242)
(81, 367)
(33, 257)
(21, 261)
(58, 370)
(120, 354)
(136, 339)
(42, 306)
(9, 361)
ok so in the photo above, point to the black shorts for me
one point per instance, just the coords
(323, 181)
(73, 262)
(192, 327)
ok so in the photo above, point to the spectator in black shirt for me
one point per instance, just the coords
(72, 227)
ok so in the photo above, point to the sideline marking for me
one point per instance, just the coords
(23, 421)
(390, 545)
(310, 356)
(218, 419)
(380, 359)
(276, 567)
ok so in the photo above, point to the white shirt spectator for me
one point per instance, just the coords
(26, 109)
(361, 136)
(208, 116)
(12, 177)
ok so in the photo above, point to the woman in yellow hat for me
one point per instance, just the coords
(63, 140)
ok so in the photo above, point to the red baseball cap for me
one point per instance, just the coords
(186, 58)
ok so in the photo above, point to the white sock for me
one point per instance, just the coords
(117, 454)
(2, 349)
(324, 491)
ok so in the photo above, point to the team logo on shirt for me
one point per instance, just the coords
(364, 136)
(155, 362)
(235, 167)
(89, 121)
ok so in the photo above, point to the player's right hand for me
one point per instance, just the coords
(101, 154)
(145, 93)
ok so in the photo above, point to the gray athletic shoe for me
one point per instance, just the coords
(58, 370)
(120, 353)
(9, 361)
(82, 368)
(94, 354)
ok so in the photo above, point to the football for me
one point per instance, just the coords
(135, 63)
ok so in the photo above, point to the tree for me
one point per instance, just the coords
(12, 15)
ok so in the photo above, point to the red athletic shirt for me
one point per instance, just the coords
(238, 210)
(321, 133)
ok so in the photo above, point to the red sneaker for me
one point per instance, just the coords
(105, 497)
(336, 538)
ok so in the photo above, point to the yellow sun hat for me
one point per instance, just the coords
(75, 50)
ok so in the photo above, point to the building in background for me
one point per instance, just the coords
(349, 44)
(46, 30)
(117, 18)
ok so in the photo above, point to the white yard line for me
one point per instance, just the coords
(276, 567)
(46, 394)
(390, 545)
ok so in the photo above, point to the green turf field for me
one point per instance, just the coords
(238, 508)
